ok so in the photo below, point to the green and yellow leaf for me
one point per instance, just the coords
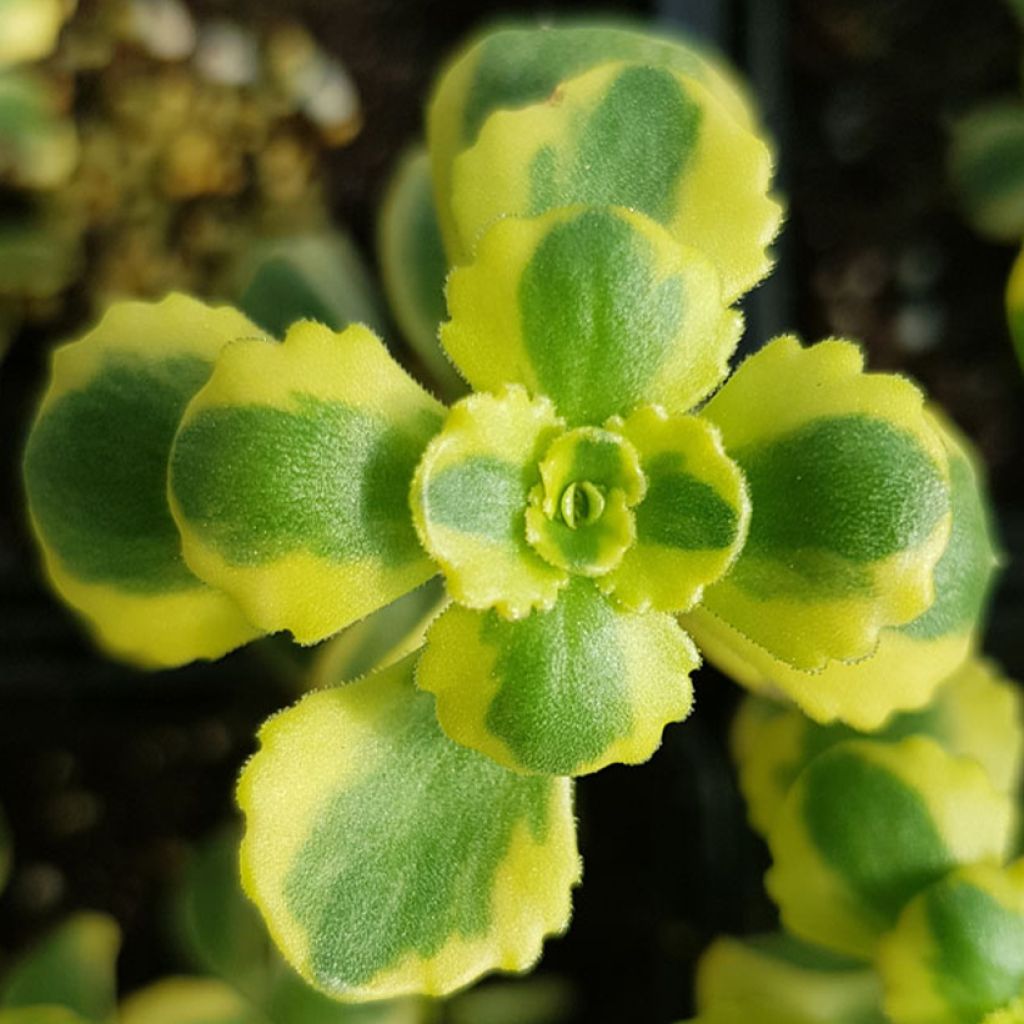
(469, 498)
(518, 66)
(414, 266)
(563, 692)
(96, 478)
(188, 1001)
(290, 479)
(776, 979)
(692, 520)
(598, 309)
(987, 168)
(910, 661)
(388, 860)
(850, 504)
(307, 277)
(957, 951)
(869, 825)
(1015, 304)
(72, 967)
(581, 513)
(630, 135)
(1012, 1013)
(976, 713)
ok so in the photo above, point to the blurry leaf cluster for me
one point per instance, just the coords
(142, 150)
(987, 161)
(987, 168)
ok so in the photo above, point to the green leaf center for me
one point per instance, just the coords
(580, 515)
(582, 503)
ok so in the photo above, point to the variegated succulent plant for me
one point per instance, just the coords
(892, 865)
(598, 504)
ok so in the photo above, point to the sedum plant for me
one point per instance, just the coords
(600, 506)
(889, 865)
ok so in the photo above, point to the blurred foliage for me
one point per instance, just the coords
(987, 163)
(74, 966)
(413, 266)
(987, 168)
(320, 276)
(161, 147)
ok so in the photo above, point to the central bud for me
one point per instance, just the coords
(580, 514)
(582, 503)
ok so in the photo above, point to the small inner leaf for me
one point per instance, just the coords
(692, 520)
(579, 517)
(582, 502)
(469, 500)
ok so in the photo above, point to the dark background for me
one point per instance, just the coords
(107, 775)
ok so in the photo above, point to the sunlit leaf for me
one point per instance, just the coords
(598, 309)
(629, 135)
(850, 504)
(290, 479)
(910, 661)
(517, 66)
(388, 860)
(96, 478)
(563, 692)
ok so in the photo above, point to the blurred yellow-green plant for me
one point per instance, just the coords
(165, 147)
(987, 168)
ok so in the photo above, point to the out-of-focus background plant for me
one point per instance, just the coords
(143, 149)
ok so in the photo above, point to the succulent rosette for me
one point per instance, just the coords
(196, 484)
